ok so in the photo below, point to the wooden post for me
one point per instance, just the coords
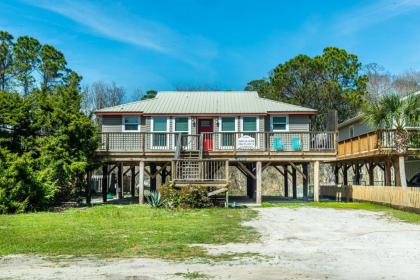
(286, 181)
(141, 182)
(120, 181)
(316, 181)
(357, 173)
(163, 175)
(133, 181)
(371, 169)
(88, 187)
(104, 182)
(259, 182)
(250, 186)
(305, 180)
(336, 174)
(152, 178)
(387, 173)
(227, 171)
(173, 170)
(397, 177)
(345, 177)
(294, 183)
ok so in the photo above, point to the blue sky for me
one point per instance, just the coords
(220, 44)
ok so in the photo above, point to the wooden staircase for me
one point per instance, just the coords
(189, 168)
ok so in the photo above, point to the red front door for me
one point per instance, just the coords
(206, 125)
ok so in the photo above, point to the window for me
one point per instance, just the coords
(279, 123)
(249, 124)
(351, 131)
(250, 129)
(159, 124)
(227, 125)
(131, 123)
(182, 127)
(181, 124)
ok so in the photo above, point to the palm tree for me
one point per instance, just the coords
(393, 112)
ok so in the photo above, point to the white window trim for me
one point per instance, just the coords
(175, 132)
(189, 125)
(138, 124)
(257, 135)
(241, 124)
(220, 130)
(168, 121)
(276, 130)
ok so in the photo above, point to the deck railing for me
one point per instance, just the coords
(191, 170)
(379, 140)
(218, 141)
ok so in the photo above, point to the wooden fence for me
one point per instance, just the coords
(397, 197)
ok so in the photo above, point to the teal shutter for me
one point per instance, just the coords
(249, 124)
(228, 124)
(160, 124)
(181, 124)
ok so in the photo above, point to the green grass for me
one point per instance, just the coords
(123, 231)
(192, 275)
(405, 216)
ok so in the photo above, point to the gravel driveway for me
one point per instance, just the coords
(301, 243)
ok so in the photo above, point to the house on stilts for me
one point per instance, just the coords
(367, 155)
(199, 137)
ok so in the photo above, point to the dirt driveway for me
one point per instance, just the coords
(301, 243)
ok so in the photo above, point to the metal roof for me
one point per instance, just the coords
(206, 102)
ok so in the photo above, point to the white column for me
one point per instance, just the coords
(316, 181)
(259, 182)
(141, 182)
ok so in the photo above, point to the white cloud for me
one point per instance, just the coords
(371, 14)
(116, 23)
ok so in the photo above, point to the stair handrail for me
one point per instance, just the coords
(200, 145)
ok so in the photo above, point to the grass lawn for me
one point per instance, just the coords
(123, 231)
(405, 216)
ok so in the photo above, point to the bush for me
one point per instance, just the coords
(192, 196)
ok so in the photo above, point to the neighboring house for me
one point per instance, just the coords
(238, 128)
(360, 144)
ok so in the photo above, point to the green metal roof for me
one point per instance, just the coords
(206, 102)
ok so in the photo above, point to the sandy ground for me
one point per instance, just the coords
(302, 243)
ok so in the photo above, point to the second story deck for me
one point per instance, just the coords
(376, 143)
(230, 145)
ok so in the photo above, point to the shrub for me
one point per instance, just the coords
(192, 196)
(155, 200)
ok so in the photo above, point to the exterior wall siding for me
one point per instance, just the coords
(111, 124)
(360, 127)
(296, 123)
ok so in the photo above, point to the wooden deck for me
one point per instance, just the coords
(379, 143)
(264, 146)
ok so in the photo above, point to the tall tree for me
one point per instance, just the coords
(394, 112)
(330, 81)
(53, 65)
(26, 51)
(48, 143)
(262, 86)
(6, 58)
